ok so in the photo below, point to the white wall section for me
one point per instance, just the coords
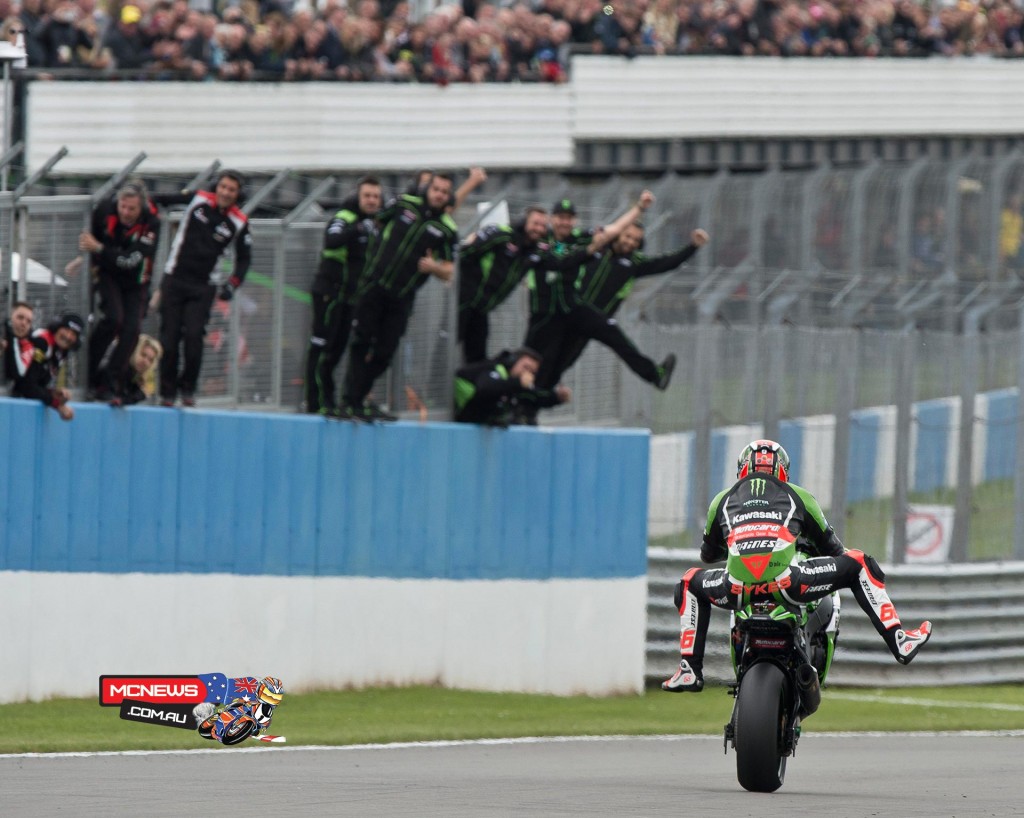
(64, 630)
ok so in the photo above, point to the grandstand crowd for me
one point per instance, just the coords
(478, 41)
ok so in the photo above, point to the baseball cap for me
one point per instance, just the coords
(130, 14)
(564, 206)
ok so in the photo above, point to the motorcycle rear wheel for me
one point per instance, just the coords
(760, 728)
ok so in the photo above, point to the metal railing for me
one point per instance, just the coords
(975, 610)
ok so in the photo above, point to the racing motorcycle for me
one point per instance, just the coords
(781, 655)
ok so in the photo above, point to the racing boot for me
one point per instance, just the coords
(687, 679)
(908, 643)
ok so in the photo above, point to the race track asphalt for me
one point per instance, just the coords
(836, 775)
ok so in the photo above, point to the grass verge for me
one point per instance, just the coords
(428, 713)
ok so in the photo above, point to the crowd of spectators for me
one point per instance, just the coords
(478, 41)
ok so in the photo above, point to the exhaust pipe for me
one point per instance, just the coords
(810, 688)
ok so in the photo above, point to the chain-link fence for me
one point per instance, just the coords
(882, 299)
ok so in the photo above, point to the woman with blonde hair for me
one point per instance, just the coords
(140, 381)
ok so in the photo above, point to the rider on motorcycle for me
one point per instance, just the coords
(762, 505)
(219, 725)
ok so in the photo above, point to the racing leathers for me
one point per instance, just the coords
(757, 510)
(333, 294)
(121, 271)
(188, 286)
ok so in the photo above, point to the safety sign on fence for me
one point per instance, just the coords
(929, 531)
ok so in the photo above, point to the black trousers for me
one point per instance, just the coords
(380, 320)
(184, 313)
(122, 305)
(474, 329)
(558, 337)
(332, 321)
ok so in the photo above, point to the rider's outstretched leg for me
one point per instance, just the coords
(694, 615)
(864, 577)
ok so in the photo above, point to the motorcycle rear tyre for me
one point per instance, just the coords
(760, 728)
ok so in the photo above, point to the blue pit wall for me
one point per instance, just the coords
(160, 491)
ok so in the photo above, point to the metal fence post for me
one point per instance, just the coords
(706, 352)
(846, 392)
(904, 413)
(965, 447)
(1018, 474)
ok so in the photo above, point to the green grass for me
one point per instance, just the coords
(867, 523)
(428, 713)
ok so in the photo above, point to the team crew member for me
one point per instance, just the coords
(122, 242)
(334, 290)
(606, 279)
(16, 341)
(558, 310)
(551, 290)
(212, 223)
(36, 376)
(417, 240)
(491, 263)
(764, 504)
(489, 392)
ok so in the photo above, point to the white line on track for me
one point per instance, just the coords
(870, 697)
(406, 745)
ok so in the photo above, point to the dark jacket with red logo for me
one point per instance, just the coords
(127, 254)
(36, 362)
(763, 504)
(205, 233)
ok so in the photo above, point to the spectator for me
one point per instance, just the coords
(314, 56)
(926, 259)
(417, 240)
(661, 24)
(491, 42)
(493, 392)
(334, 291)
(193, 51)
(236, 61)
(212, 223)
(125, 41)
(50, 348)
(122, 242)
(32, 18)
(411, 55)
(63, 38)
(139, 384)
(1011, 231)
